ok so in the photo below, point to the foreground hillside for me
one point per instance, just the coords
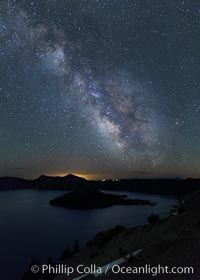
(172, 242)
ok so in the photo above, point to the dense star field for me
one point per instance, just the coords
(101, 88)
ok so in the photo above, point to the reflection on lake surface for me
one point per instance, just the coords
(30, 227)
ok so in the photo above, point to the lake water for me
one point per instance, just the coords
(30, 227)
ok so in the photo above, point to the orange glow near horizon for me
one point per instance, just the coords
(86, 176)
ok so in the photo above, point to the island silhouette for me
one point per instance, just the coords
(91, 198)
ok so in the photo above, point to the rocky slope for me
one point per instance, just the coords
(172, 242)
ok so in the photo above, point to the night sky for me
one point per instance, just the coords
(100, 88)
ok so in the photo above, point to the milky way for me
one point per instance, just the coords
(99, 87)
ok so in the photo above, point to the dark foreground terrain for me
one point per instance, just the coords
(173, 242)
